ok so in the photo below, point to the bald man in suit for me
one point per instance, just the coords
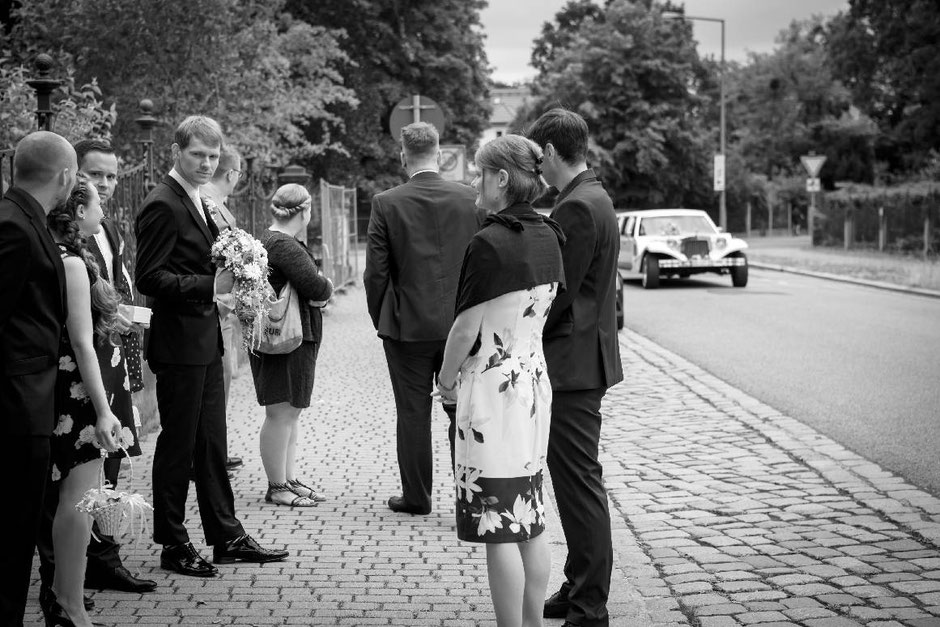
(32, 312)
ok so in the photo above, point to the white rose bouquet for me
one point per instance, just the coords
(247, 258)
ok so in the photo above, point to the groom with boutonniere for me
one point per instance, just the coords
(184, 349)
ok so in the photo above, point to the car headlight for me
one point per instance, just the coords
(672, 243)
(721, 243)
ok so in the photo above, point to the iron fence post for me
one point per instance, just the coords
(44, 86)
(146, 121)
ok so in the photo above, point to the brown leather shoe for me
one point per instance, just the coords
(245, 549)
(185, 559)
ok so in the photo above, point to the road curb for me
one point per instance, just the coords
(845, 279)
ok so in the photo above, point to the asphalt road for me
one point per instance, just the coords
(859, 364)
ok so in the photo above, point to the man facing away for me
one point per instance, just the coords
(105, 570)
(32, 312)
(583, 358)
(184, 349)
(416, 240)
(215, 194)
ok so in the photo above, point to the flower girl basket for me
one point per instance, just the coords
(116, 513)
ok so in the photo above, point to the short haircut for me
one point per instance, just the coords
(40, 157)
(289, 200)
(200, 127)
(521, 158)
(229, 159)
(85, 146)
(420, 140)
(565, 130)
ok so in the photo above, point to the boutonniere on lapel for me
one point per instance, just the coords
(211, 208)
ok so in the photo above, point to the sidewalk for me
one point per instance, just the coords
(724, 511)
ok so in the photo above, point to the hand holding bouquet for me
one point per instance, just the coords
(240, 254)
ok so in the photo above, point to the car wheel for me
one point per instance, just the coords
(651, 273)
(739, 274)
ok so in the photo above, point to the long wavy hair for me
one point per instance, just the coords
(63, 223)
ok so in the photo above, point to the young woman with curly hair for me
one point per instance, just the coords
(93, 400)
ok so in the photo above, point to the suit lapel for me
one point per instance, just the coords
(194, 211)
(114, 238)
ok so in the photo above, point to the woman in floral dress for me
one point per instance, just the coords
(511, 273)
(93, 399)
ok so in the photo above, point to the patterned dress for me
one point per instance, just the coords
(503, 412)
(73, 439)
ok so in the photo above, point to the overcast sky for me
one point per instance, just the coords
(750, 25)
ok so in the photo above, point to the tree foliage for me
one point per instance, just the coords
(635, 77)
(399, 48)
(888, 54)
(267, 78)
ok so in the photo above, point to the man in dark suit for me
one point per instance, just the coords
(32, 312)
(184, 350)
(416, 240)
(583, 357)
(105, 570)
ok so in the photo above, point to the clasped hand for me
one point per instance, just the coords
(447, 394)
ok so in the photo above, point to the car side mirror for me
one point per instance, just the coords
(721, 229)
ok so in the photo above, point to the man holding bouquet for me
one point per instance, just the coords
(184, 349)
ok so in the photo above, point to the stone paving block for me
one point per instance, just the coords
(754, 618)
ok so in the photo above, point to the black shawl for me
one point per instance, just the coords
(516, 249)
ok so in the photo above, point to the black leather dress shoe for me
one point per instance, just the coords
(117, 579)
(232, 462)
(185, 559)
(556, 606)
(245, 549)
(398, 504)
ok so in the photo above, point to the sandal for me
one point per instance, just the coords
(303, 490)
(282, 494)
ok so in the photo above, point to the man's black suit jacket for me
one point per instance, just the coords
(175, 271)
(417, 236)
(32, 314)
(580, 335)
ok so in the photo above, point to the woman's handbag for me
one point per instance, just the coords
(281, 331)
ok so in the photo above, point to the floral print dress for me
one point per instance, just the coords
(503, 412)
(73, 440)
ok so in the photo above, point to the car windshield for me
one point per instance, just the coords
(675, 225)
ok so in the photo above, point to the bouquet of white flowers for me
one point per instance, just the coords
(247, 258)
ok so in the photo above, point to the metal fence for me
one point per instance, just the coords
(340, 232)
(6, 170)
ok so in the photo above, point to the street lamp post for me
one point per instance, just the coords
(722, 207)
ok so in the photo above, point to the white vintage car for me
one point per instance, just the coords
(659, 243)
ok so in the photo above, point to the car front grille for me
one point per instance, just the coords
(694, 247)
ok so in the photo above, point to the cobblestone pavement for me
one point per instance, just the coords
(724, 512)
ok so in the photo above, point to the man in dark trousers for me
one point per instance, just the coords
(583, 358)
(32, 312)
(105, 570)
(416, 240)
(184, 349)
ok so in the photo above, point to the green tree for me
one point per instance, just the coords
(399, 48)
(265, 77)
(888, 54)
(636, 78)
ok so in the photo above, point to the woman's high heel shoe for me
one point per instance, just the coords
(56, 616)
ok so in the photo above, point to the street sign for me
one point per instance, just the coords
(415, 109)
(454, 162)
(813, 164)
(813, 184)
(719, 173)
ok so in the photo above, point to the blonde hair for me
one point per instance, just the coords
(289, 200)
(522, 160)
